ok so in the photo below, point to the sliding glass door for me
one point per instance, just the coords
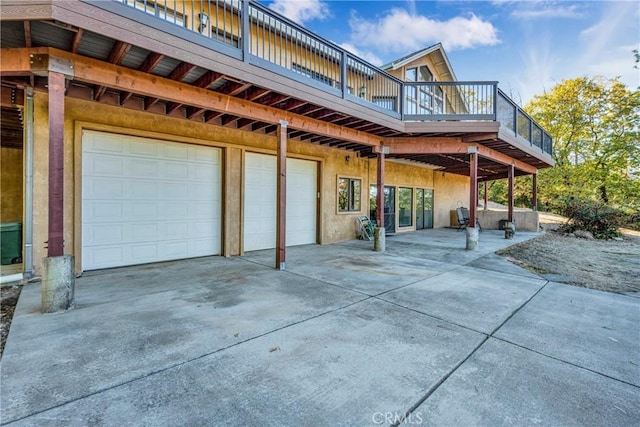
(424, 208)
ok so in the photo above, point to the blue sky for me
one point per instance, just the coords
(527, 46)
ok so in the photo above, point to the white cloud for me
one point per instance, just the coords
(536, 10)
(301, 11)
(368, 56)
(399, 31)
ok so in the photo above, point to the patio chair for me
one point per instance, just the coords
(463, 219)
(366, 228)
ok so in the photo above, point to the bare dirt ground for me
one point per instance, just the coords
(606, 265)
(8, 300)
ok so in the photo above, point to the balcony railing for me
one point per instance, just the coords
(249, 31)
(449, 100)
(514, 118)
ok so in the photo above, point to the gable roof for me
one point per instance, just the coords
(441, 61)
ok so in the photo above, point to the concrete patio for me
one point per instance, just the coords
(345, 336)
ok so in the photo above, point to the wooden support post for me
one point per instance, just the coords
(473, 189)
(534, 202)
(511, 176)
(56, 163)
(281, 196)
(486, 194)
(380, 195)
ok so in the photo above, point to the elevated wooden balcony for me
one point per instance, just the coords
(159, 56)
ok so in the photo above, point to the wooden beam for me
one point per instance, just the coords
(239, 89)
(534, 195)
(473, 189)
(27, 33)
(450, 145)
(244, 122)
(147, 66)
(171, 107)
(380, 195)
(77, 37)
(426, 145)
(207, 79)
(177, 74)
(56, 88)
(281, 197)
(92, 71)
(117, 54)
(211, 115)
(256, 93)
(193, 112)
(510, 194)
(492, 136)
(505, 159)
(17, 61)
(11, 97)
(227, 119)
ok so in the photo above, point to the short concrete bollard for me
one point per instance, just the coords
(379, 242)
(509, 230)
(58, 284)
(472, 238)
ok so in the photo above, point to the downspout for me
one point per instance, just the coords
(28, 186)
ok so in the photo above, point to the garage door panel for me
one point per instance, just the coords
(144, 233)
(148, 200)
(142, 168)
(141, 148)
(260, 202)
(104, 164)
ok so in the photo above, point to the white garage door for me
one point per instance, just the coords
(146, 200)
(260, 202)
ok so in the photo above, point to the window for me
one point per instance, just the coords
(160, 11)
(349, 190)
(405, 207)
(419, 74)
(312, 74)
(422, 98)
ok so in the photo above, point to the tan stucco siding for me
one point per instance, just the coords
(451, 191)
(11, 184)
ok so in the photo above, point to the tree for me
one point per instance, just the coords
(595, 125)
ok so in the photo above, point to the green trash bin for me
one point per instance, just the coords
(11, 243)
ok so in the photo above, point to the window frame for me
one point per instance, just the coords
(354, 205)
(410, 209)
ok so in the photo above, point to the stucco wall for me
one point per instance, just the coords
(11, 184)
(332, 225)
(451, 191)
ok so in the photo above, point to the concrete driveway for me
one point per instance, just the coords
(346, 336)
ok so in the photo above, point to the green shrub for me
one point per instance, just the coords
(600, 220)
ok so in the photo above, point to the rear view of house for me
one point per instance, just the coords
(149, 131)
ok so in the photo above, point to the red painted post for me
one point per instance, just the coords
(56, 163)
(511, 177)
(473, 189)
(281, 196)
(380, 196)
(534, 203)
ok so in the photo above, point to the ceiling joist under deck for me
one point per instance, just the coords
(96, 72)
